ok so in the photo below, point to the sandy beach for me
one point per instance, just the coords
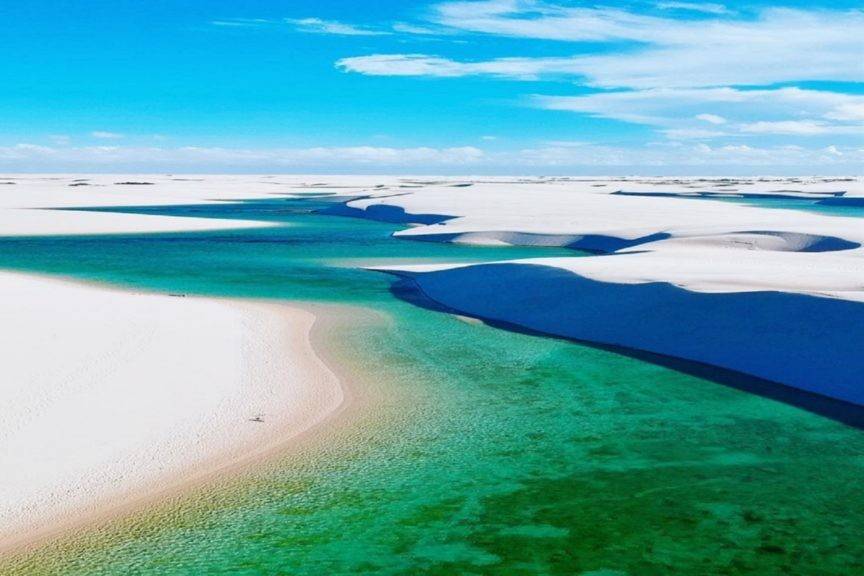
(112, 395)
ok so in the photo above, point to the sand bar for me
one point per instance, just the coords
(109, 395)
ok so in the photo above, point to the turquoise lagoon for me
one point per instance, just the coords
(826, 205)
(849, 207)
(492, 452)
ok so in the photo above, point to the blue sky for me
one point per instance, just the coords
(497, 86)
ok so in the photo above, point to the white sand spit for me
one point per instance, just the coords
(109, 394)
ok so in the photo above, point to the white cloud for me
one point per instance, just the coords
(423, 65)
(242, 22)
(664, 103)
(345, 157)
(407, 28)
(682, 113)
(25, 149)
(103, 135)
(780, 45)
(529, 19)
(558, 157)
(401, 65)
(565, 144)
(711, 118)
(704, 7)
(737, 148)
(801, 128)
(319, 26)
(848, 111)
(690, 158)
(691, 134)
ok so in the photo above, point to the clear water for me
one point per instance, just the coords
(490, 452)
(805, 204)
(308, 257)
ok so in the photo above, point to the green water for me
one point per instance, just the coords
(491, 453)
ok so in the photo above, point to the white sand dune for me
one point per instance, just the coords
(777, 294)
(582, 216)
(109, 395)
(26, 200)
(700, 245)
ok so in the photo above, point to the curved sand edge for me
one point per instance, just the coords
(801, 341)
(134, 397)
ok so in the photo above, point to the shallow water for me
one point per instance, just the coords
(853, 209)
(495, 452)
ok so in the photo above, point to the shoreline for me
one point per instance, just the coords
(326, 403)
